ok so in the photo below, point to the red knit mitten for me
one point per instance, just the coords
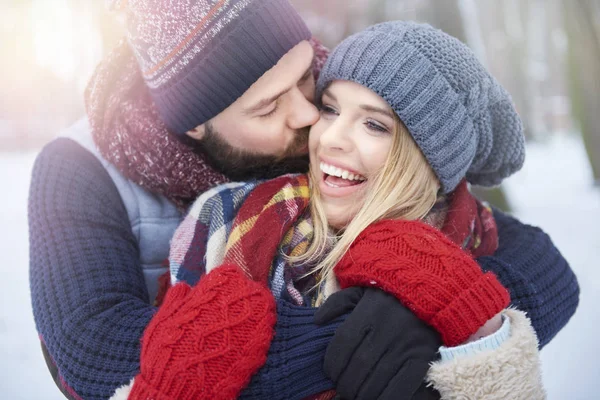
(206, 342)
(428, 273)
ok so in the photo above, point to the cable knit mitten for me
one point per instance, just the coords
(428, 273)
(206, 342)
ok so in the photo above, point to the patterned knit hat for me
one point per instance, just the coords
(463, 121)
(199, 56)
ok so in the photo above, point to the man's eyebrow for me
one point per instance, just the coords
(268, 100)
(265, 102)
(378, 110)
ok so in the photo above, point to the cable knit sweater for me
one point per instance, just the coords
(90, 301)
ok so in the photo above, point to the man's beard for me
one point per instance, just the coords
(240, 165)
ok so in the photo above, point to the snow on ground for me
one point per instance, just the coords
(553, 191)
(23, 373)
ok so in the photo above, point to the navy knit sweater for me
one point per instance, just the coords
(91, 305)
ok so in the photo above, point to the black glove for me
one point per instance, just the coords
(381, 351)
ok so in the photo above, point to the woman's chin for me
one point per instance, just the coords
(339, 218)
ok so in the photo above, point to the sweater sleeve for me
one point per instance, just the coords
(539, 279)
(89, 298)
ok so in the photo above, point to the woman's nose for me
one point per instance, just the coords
(335, 136)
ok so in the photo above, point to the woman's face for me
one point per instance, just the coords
(348, 146)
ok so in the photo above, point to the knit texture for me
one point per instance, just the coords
(88, 293)
(206, 342)
(463, 121)
(428, 273)
(296, 357)
(198, 57)
(89, 297)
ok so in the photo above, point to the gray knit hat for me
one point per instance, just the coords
(461, 118)
(199, 56)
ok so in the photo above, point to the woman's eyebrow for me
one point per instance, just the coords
(378, 110)
(327, 92)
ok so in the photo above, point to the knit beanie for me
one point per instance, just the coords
(463, 121)
(199, 56)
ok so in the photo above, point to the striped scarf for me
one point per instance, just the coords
(242, 223)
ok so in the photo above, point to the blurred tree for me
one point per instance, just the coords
(445, 15)
(582, 19)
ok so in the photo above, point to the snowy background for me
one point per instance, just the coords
(545, 52)
(552, 191)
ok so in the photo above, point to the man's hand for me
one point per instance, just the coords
(381, 351)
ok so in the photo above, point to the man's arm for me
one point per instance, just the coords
(89, 298)
(539, 279)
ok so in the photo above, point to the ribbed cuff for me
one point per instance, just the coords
(488, 343)
(485, 298)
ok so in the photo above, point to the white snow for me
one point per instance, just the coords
(553, 191)
(22, 367)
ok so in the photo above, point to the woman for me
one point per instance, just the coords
(407, 115)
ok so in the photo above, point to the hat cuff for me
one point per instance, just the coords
(245, 49)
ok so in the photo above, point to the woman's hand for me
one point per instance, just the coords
(489, 328)
(428, 273)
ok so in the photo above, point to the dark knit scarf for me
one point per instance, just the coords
(129, 133)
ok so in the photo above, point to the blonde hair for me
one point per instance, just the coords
(405, 188)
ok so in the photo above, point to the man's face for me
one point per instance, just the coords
(268, 123)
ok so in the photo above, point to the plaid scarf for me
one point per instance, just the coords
(239, 222)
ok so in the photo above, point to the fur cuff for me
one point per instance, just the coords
(122, 393)
(512, 371)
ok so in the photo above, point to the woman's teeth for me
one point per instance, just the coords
(340, 173)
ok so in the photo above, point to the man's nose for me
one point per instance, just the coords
(303, 113)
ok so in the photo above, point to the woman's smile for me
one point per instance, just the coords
(338, 181)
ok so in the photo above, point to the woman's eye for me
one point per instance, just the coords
(377, 127)
(328, 110)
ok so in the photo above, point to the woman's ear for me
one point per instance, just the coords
(197, 133)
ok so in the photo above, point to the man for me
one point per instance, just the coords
(226, 94)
